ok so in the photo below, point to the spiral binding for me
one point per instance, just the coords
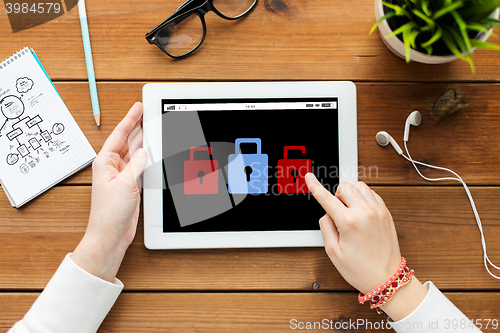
(14, 57)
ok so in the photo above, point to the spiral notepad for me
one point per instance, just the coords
(40, 142)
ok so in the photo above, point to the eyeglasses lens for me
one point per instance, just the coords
(233, 8)
(182, 35)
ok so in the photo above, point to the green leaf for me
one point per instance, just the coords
(400, 11)
(385, 17)
(425, 8)
(428, 49)
(447, 9)
(477, 27)
(453, 48)
(475, 12)
(484, 45)
(463, 30)
(471, 64)
(434, 38)
(412, 36)
(405, 27)
(406, 41)
(430, 22)
(490, 21)
(458, 39)
(451, 44)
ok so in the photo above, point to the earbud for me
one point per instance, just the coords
(383, 138)
(413, 119)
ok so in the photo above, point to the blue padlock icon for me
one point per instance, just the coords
(248, 173)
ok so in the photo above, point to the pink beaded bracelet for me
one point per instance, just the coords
(384, 293)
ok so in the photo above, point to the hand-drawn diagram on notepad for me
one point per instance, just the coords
(30, 138)
(40, 142)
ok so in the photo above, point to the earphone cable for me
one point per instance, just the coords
(469, 195)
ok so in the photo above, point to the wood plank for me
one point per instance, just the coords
(437, 232)
(292, 40)
(459, 127)
(458, 131)
(248, 312)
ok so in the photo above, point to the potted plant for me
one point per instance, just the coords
(436, 31)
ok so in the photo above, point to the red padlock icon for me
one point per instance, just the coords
(201, 176)
(291, 173)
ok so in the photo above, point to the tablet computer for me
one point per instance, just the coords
(227, 161)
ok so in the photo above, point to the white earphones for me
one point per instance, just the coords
(383, 138)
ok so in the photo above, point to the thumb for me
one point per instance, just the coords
(135, 166)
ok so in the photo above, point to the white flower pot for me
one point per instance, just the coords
(398, 48)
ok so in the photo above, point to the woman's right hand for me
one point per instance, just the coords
(361, 241)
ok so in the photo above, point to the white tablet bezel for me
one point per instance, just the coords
(153, 93)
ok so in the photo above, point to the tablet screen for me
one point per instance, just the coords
(239, 165)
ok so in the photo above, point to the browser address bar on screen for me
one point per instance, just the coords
(250, 106)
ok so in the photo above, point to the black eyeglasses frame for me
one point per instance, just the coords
(190, 7)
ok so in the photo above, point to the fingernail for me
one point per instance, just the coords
(141, 153)
(310, 176)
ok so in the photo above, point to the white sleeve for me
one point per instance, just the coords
(73, 301)
(435, 314)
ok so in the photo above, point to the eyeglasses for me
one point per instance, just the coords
(185, 31)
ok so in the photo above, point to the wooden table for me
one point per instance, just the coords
(250, 290)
